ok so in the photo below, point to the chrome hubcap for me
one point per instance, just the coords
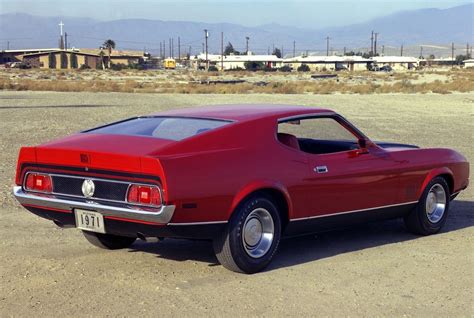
(435, 203)
(258, 232)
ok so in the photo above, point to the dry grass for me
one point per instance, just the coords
(183, 81)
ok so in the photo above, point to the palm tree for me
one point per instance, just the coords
(109, 45)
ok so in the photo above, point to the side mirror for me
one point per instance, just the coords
(363, 146)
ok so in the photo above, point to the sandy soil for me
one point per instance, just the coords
(372, 270)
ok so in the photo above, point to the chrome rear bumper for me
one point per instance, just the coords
(162, 216)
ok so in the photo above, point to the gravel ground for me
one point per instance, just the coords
(371, 270)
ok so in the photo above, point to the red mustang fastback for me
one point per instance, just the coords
(242, 176)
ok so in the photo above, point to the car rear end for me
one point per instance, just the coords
(92, 197)
(109, 179)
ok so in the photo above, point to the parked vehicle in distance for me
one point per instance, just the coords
(341, 67)
(169, 64)
(377, 68)
(242, 176)
(385, 68)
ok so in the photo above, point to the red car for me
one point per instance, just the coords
(242, 176)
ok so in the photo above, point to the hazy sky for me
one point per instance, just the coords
(302, 13)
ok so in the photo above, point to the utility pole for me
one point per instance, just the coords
(164, 49)
(161, 49)
(206, 34)
(179, 48)
(171, 53)
(383, 49)
(172, 48)
(344, 50)
(294, 48)
(372, 44)
(467, 50)
(282, 55)
(8, 45)
(327, 45)
(65, 40)
(401, 50)
(222, 51)
(247, 45)
(421, 51)
(375, 43)
(452, 54)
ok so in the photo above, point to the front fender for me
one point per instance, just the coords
(259, 185)
(432, 174)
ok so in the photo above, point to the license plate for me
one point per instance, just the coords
(89, 221)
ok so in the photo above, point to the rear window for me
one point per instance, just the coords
(172, 128)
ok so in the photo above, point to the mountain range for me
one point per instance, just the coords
(437, 27)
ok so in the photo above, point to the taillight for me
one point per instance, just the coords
(39, 182)
(144, 195)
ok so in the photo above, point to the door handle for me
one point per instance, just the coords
(321, 169)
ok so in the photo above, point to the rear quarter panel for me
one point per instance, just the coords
(215, 172)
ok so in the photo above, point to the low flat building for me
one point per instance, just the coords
(329, 63)
(236, 61)
(118, 56)
(397, 63)
(468, 63)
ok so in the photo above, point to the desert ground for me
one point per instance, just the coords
(376, 269)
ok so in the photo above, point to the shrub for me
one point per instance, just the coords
(235, 69)
(285, 68)
(213, 68)
(133, 66)
(303, 68)
(254, 66)
(118, 67)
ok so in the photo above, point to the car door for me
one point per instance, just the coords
(342, 176)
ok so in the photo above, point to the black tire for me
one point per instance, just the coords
(108, 241)
(418, 221)
(230, 247)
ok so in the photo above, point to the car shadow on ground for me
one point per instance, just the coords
(308, 248)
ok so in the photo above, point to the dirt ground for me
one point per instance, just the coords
(371, 270)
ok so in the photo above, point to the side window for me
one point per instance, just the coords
(316, 135)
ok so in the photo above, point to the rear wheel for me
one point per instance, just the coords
(251, 237)
(108, 241)
(430, 214)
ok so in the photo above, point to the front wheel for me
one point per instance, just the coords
(108, 241)
(430, 214)
(251, 237)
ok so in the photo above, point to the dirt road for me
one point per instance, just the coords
(372, 270)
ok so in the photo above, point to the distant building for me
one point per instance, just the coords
(397, 63)
(329, 63)
(236, 61)
(61, 59)
(468, 63)
(72, 58)
(8, 56)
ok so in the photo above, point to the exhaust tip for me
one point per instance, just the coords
(141, 236)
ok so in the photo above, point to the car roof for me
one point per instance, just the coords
(244, 112)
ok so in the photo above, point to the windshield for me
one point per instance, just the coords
(172, 128)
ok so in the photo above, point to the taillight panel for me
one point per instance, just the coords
(147, 195)
(38, 182)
